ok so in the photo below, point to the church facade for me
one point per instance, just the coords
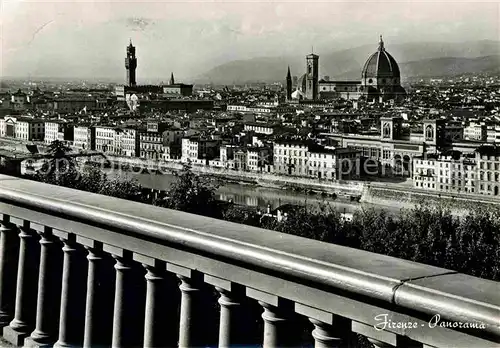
(380, 80)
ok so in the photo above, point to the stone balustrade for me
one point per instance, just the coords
(80, 269)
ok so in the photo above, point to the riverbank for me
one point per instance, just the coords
(339, 188)
(378, 193)
(372, 193)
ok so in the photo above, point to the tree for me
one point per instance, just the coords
(125, 189)
(322, 223)
(241, 215)
(61, 168)
(193, 194)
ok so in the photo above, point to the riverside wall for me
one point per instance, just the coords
(379, 193)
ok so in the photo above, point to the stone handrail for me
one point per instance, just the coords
(331, 285)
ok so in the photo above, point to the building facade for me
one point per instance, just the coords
(178, 89)
(455, 172)
(290, 157)
(103, 139)
(82, 137)
(258, 158)
(53, 129)
(23, 128)
(151, 146)
(259, 128)
(476, 131)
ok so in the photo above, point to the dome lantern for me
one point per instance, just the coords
(381, 44)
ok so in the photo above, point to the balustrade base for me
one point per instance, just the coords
(5, 319)
(30, 343)
(15, 337)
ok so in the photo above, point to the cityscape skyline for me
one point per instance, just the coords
(216, 33)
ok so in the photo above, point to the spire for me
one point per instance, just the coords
(381, 44)
(172, 81)
(288, 75)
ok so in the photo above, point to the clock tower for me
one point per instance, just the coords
(131, 65)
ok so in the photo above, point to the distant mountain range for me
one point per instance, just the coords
(422, 59)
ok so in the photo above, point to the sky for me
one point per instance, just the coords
(87, 39)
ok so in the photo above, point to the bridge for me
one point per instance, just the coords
(80, 269)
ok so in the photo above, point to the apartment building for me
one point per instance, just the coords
(56, 130)
(116, 141)
(127, 142)
(82, 137)
(199, 150)
(258, 158)
(23, 128)
(475, 131)
(333, 164)
(30, 129)
(290, 157)
(103, 139)
(487, 160)
(151, 145)
(455, 172)
(259, 128)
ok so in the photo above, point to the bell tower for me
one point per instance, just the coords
(131, 65)
(312, 73)
(288, 85)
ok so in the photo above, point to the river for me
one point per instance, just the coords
(255, 196)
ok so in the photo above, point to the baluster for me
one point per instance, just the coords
(325, 335)
(71, 317)
(127, 315)
(330, 330)
(233, 324)
(49, 295)
(9, 254)
(99, 304)
(230, 318)
(26, 288)
(158, 324)
(191, 313)
(275, 328)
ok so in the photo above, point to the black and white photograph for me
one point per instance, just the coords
(249, 174)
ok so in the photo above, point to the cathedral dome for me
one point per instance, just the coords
(381, 64)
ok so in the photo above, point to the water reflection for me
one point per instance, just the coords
(252, 195)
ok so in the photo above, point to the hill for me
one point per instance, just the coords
(415, 59)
